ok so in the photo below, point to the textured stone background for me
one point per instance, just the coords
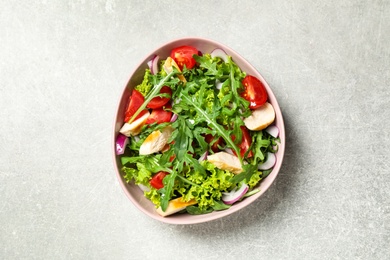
(63, 65)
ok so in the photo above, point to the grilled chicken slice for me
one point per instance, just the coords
(175, 206)
(226, 161)
(135, 127)
(260, 118)
(156, 141)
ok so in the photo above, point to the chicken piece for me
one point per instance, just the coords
(135, 127)
(260, 118)
(226, 161)
(175, 206)
(169, 63)
(156, 141)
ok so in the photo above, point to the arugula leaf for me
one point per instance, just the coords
(195, 210)
(266, 173)
(249, 170)
(261, 144)
(167, 190)
(219, 205)
(205, 62)
(194, 163)
(153, 163)
(220, 130)
(182, 139)
(199, 135)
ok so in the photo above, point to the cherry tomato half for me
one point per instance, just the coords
(246, 142)
(157, 180)
(160, 115)
(183, 56)
(158, 102)
(254, 92)
(135, 101)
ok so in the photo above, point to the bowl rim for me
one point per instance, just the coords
(196, 219)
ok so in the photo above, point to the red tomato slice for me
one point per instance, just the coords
(158, 102)
(246, 141)
(157, 180)
(135, 101)
(254, 92)
(183, 56)
(160, 115)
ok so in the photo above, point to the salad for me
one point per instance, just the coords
(198, 133)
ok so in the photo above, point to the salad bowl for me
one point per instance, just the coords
(133, 192)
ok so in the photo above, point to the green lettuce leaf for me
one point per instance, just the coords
(145, 86)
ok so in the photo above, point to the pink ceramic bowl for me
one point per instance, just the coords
(133, 192)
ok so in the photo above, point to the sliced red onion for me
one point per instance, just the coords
(154, 69)
(273, 130)
(203, 156)
(150, 64)
(120, 144)
(143, 187)
(173, 118)
(153, 64)
(235, 195)
(269, 163)
(219, 53)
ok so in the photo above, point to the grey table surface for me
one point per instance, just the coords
(64, 64)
